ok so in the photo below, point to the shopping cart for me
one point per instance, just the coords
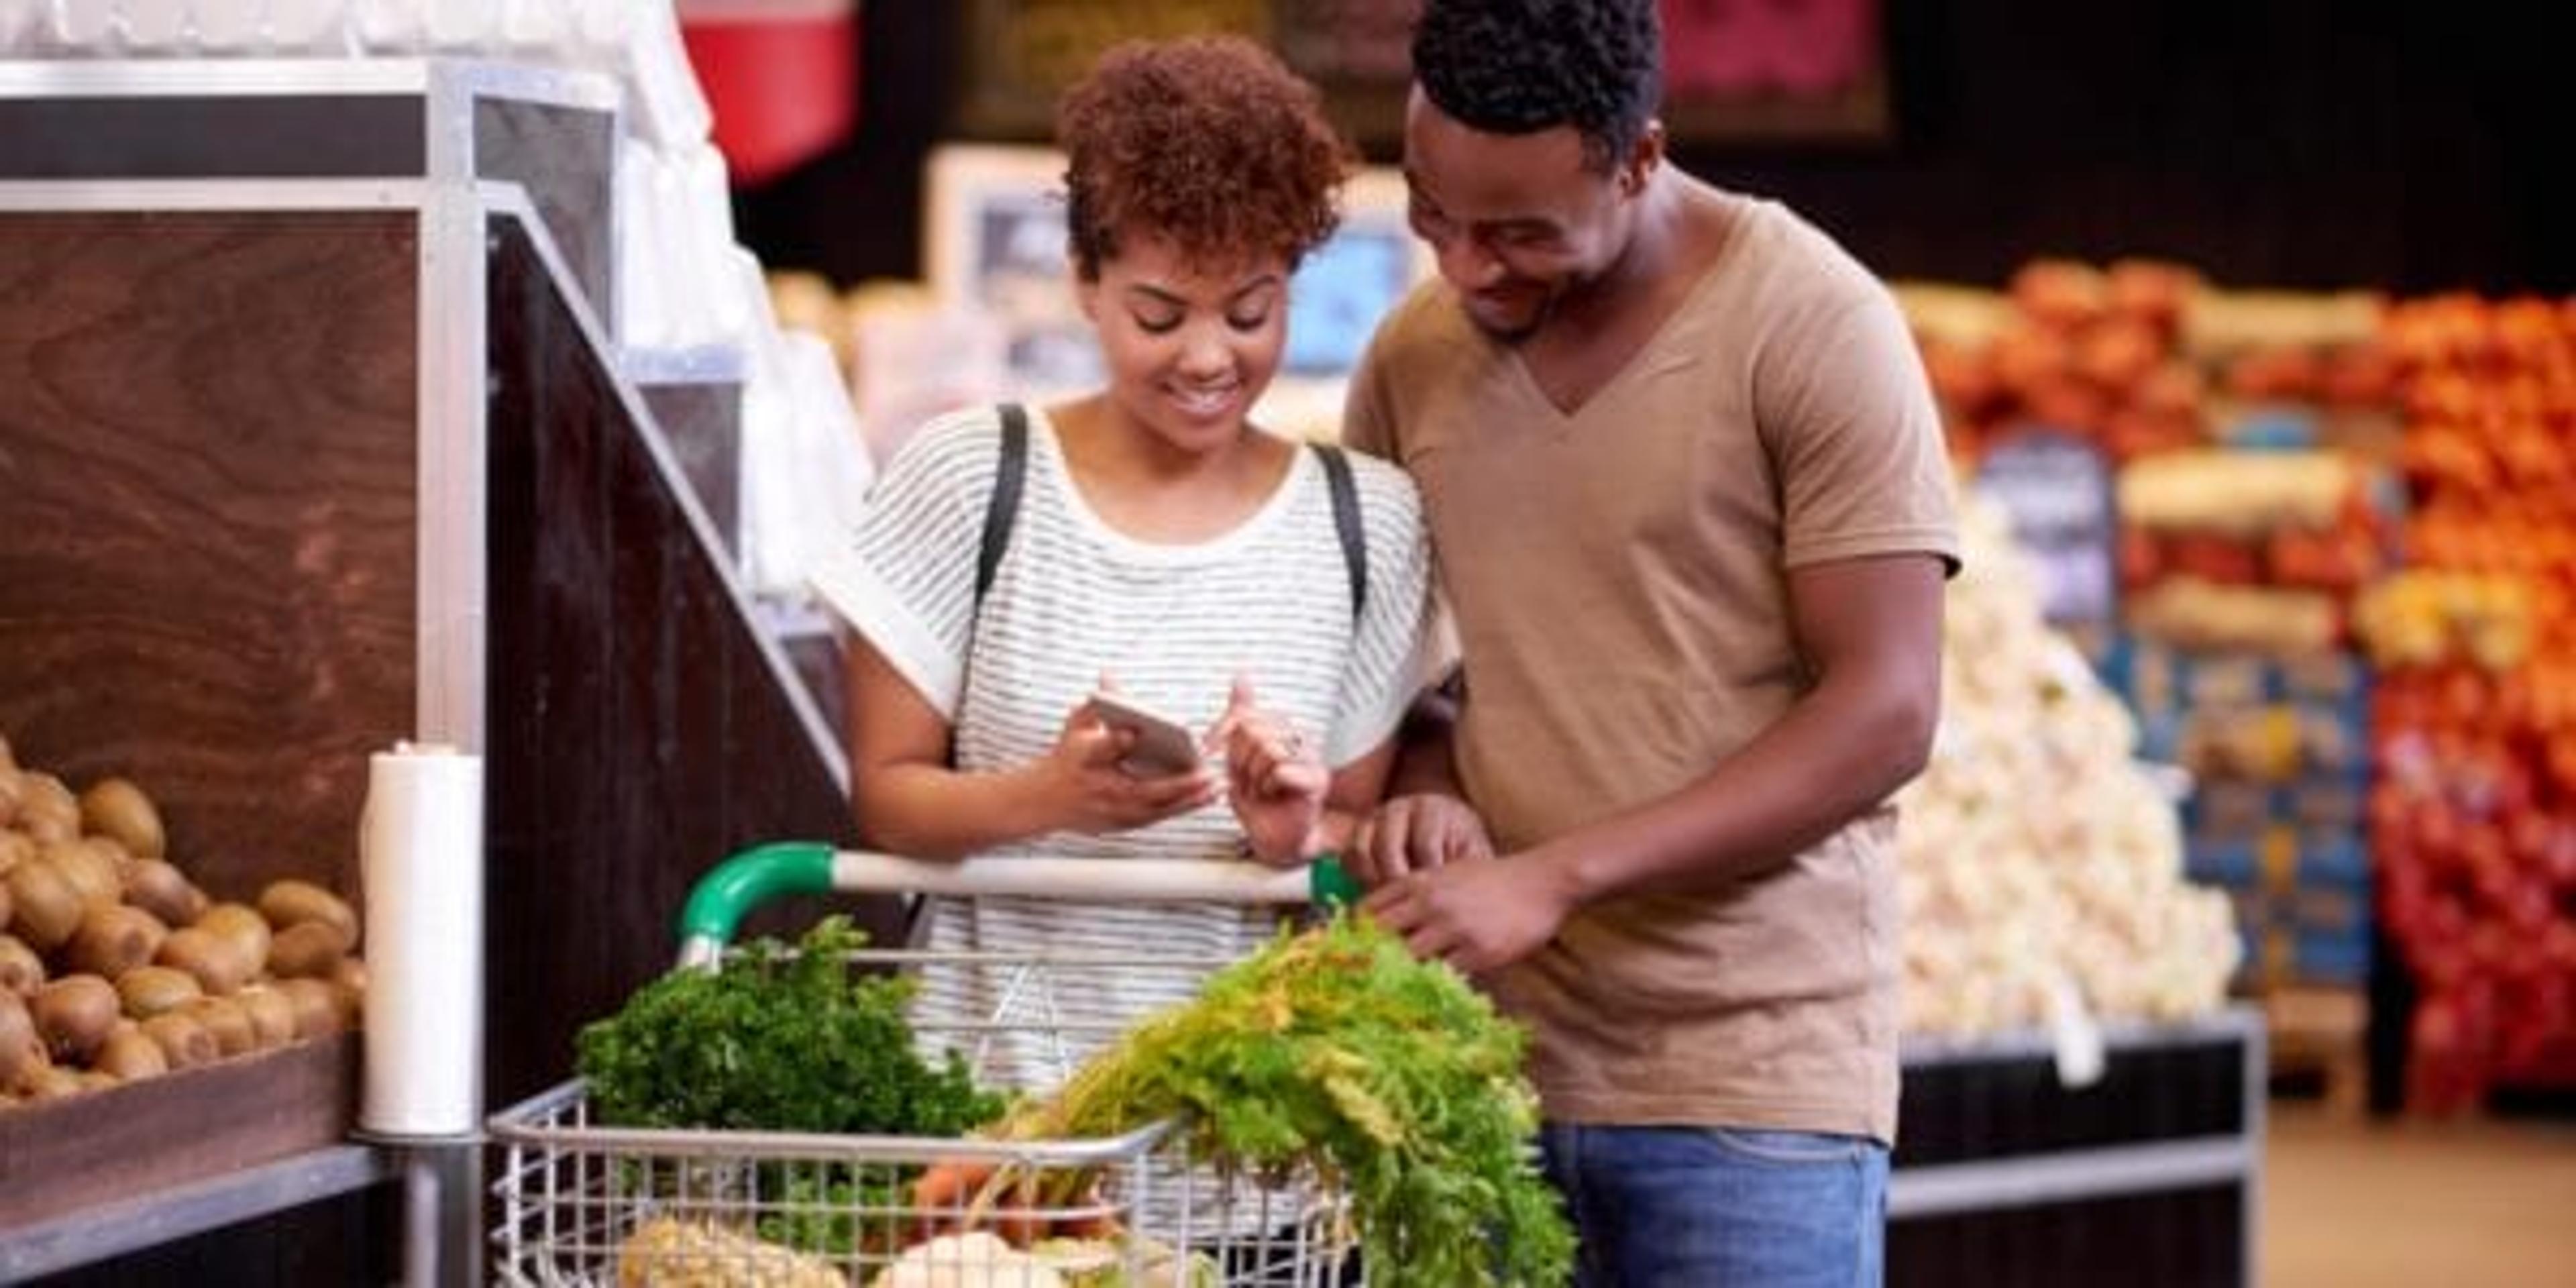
(587, 1203)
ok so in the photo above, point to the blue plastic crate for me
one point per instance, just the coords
(2332, 956)
(2332, 858)
(2336, 676)
(2330, 803)
(2286, 427)
(2235, 864)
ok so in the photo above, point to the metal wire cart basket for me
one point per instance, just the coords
(586, 1203)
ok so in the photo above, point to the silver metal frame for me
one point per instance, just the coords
(212, 194)
(278, 77)
(96, 1234)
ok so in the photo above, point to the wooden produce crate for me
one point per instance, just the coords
(63, 1156)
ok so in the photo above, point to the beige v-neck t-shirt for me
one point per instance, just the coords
(1618, 576)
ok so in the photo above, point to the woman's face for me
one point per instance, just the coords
(1189, 347)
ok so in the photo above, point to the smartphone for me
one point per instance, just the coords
(1162, 745)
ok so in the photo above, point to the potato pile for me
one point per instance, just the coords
(2036, 855)
(114, 966)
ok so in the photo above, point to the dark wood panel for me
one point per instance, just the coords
(224, 136)
(821, 664)
(2189, 1236)
(636, 735)
(351, 1242)
(703, 425)
(207, 519)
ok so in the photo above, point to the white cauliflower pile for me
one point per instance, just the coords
(2036, 853)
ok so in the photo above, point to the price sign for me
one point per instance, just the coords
(2058, 491)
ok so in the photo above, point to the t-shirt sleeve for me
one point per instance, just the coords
(1401, 647)
(1368, 421)
(1862, 466)
(903, 575)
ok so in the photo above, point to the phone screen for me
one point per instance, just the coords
(1161, 745)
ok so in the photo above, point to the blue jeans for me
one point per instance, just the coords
(1720, 1207)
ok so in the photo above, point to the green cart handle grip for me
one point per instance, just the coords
(739, 884)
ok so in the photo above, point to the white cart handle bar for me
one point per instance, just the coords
(722, 897)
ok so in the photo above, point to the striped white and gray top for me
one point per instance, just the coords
(1174, 624)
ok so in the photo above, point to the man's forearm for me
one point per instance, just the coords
(1425, 765)
(1835, 756)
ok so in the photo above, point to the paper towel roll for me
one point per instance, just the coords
(420, 853)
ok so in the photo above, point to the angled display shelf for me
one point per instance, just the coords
(317, 438)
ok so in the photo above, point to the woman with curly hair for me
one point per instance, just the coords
(1150, 540)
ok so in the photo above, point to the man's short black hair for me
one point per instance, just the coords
(1523, 66)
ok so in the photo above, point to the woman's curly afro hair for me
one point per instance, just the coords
(1523, 66)
(1206, 141)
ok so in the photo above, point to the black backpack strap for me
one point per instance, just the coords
(1003, 508)
(1347, 523)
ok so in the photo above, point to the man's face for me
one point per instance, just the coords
(1519, 221)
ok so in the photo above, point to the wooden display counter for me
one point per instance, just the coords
(317, 438)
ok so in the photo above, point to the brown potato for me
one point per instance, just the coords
(272, 1016)
(22, 1049)
(350, 976)
(306, 948)
(47, 907)
(115, 807)
(159, 888)
(149, 990)
(47, 810)
(91, 873)
(22, 972)
(317, 1008)
(183, 1042)
(349, 988)
(240, 925)
(53, 1082)
(15, 848)
(215, 961)
(229, 1024)
(11, 793)
(131, 1056)
(114, 939)
(74, 1014)
(290, 903)
(113, 853)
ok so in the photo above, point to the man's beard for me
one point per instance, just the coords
(1520, 332)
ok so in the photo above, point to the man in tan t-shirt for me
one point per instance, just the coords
(1692, 512)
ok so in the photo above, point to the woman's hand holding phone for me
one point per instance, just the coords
(1095, 783)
